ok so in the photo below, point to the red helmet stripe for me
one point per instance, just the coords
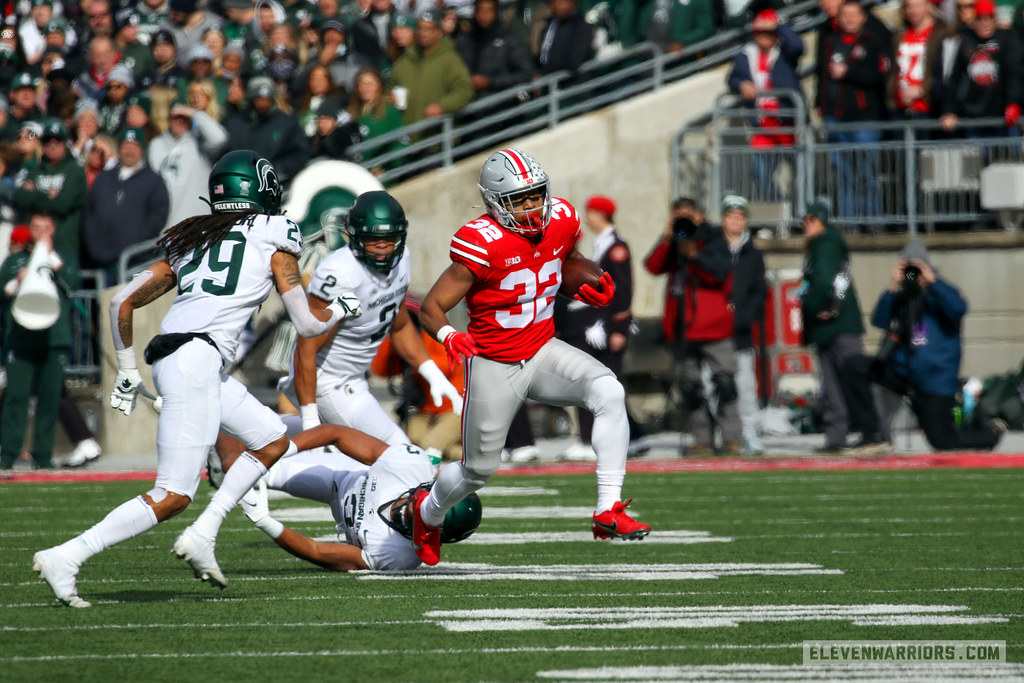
(517, 161)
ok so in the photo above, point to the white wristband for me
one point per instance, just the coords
(336, 310)
(126, 359)
(443, 333)
(310, 416)
(270, 526)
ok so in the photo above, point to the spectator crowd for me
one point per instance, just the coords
(940, 61)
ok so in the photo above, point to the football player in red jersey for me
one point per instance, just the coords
(507, 265)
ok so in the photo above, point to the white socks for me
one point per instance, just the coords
(241, 477)
(128, 520)
(453, 484)
(610, 439)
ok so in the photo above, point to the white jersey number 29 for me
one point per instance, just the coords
(534, 308)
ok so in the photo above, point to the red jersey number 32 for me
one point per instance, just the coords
(534, 308)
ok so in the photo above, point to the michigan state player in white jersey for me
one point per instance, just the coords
(368, 489)
(223, 267)
(330, 370)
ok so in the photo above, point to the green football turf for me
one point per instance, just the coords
(785, 557)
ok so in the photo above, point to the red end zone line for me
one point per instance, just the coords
(821, 463)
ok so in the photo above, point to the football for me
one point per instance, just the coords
(576, 272)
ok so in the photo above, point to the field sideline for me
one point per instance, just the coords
(743, 566)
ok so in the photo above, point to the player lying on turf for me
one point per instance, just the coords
(507, 264)
(369, 488)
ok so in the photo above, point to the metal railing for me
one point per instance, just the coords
(547, 101)
(875, 174)
(84, 360)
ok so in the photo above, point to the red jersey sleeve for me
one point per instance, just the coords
(469, 245)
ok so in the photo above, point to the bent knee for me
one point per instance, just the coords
(605, 392)
(166, 504)
(479, 474)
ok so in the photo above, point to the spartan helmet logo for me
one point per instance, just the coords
(264, 171)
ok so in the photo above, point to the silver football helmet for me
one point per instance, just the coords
(507, 178)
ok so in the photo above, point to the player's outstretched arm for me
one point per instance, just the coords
(308, 321)
(338, 557)
(147, 286)
(352, 442)
(304, 365)
(408, 344)
(334, 556)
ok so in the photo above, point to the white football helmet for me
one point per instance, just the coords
(506, 178)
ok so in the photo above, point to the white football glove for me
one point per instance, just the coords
(596, 336)
(257, 509)
(126, 390)
(346, 307)
(440, 387)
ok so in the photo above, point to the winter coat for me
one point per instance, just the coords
(783, 70)
(689, 22)
(438, 77)
(985, 77)
(749, 291)
(68, 178)
(570, 47)
(860, 94)
(275, 136)
(826, 34)
(826, 255)
(121, 213)
(930, 358)
(497, 53)
(184, 163)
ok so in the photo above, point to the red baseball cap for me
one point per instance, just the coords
(766, 20)
(603, 204)
(20, 235)
(984, 8)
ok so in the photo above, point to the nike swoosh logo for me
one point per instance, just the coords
(559, 249)
(613, 527)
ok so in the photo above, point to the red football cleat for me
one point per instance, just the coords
(426, 539)
(615, 523)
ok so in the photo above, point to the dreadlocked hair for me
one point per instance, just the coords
(201, 232)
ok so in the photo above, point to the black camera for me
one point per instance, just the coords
(683, 228)
(911, 279)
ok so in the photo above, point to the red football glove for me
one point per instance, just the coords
(597, 297)
(457, 343)
(1012, 115)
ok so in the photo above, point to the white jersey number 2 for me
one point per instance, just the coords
(534, 308)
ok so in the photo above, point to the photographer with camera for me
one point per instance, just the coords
(922, 315)
(700, 263)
